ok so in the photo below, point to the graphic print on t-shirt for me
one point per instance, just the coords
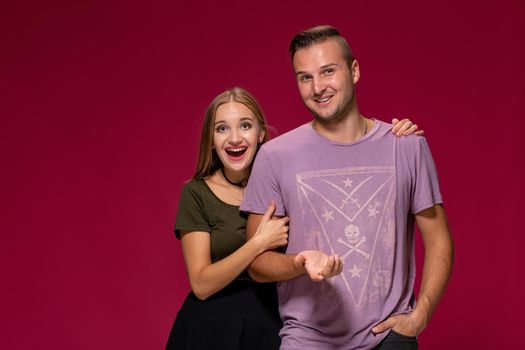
(350, 212)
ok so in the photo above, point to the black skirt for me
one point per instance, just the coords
(243, 315)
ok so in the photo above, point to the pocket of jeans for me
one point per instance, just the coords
(402, 336)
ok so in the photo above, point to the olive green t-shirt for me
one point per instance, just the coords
(201, 210)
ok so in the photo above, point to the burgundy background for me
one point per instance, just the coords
(101, 104)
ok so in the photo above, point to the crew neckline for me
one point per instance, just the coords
(314, 133)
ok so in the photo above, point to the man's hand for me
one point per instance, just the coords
(318, 265)
(410, 325)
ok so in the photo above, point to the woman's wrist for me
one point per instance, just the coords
(256, 245)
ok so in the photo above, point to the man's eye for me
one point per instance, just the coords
(328, 71)
(305, 78)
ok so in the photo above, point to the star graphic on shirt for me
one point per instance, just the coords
(355, 271)
(348, 182)
(372, 211)
(328, 215)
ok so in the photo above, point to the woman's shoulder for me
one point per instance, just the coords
(195, 188)
(194, 184)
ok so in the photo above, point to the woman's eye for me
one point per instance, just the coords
(221, 129)
(246, 126)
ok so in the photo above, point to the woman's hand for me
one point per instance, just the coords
(271, 233)
(405, 127)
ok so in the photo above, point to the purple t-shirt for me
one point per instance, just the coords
(356, 200)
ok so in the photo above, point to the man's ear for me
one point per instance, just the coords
(355, 71)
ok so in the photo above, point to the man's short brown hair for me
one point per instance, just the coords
(319, 34)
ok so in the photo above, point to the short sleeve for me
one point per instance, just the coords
(191, 215)
(426, 191)
(263, 186)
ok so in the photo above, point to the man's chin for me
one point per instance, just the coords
(324, 118)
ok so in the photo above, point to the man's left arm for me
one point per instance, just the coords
(439, 256)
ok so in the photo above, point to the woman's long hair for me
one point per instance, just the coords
(209, 161)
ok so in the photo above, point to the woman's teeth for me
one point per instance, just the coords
(236, 152)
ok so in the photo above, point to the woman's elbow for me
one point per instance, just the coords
(201, 296)
(200, 291)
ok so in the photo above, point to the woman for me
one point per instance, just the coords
(226, 309)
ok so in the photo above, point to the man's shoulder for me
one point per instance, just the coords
(385, 130)
(409, 144)
(284, 141)
(409, 147)
(411, 141)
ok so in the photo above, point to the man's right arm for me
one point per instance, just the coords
(272, 266)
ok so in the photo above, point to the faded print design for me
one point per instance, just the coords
(350, 212)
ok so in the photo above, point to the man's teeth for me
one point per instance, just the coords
(323, 99)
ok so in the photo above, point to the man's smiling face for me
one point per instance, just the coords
(324, 80)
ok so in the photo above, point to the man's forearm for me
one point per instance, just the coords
(272, 266)
(439, 257)
(436, 273)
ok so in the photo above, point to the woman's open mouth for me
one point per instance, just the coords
(236, 152)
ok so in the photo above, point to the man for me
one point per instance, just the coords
(352, 190)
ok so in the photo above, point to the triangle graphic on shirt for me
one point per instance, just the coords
(353, 209)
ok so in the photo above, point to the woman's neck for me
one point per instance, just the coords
(235, 178)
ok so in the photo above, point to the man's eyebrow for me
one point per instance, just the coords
(300, 73)
(329, 65)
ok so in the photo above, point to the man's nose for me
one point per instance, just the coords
(318, 86)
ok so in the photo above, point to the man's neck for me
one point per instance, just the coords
(348, 130)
